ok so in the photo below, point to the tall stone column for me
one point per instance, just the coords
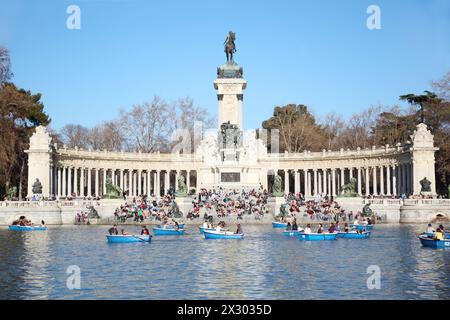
(139, 183)
(60, 176)
(316, 189)
(188, 180)
(325, 189)
(105, 173)
(319, 182)
(350, 172)
(374, 174)
(69, 181)
(177, 175)
(382, 180)
(158, 182)
(367, 181)
(394, 179)
(75, 181)
(97, 182)
(342, 182)
(149, 182)
(388, 180)
(166, 181)
(333, 182)
(63, 193)
(121, 180)
(89, 184)
(296, 181)
(359, 182)
(305, 182)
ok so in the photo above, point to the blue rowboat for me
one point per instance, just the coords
(353, 235)
(291, 232)
(279, 225)
(128, 238)
(431, 235)
(437, 244)
(27, 228)
(180, 226)
(362, 227)
(167, 232)
(203, 229)
(316, 236)
(222, 235)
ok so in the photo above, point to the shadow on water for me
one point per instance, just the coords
(265, 265)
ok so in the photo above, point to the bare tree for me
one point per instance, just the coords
(442, 87)
(75, 135)
(333, 125)
(5, 65)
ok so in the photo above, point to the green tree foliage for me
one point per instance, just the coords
(20, 112)
(297, 127)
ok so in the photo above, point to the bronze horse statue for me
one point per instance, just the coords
(230, 47)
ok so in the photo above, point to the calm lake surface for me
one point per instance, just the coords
(265, 265)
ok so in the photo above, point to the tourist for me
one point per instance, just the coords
(113, 230)
(307, 229)
(123, 232)
(439, 234)
(430, 229)
(338, 227)
(205, 225)
(144, 231)
(332, 228)
(289, 227)
(356, 222)
(346, 228)
(320, 229)
(294, 225)
(239, 229)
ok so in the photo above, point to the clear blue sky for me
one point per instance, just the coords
(319, 53)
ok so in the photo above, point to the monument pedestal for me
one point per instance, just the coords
(184, 204)
(275, 204)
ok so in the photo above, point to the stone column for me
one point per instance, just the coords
(63, 176)
(359, 181)
(382, 180)
(149, 182)
(60, 175)
(319, 182)
(69, 181)
(333, 181)
(97, 182)
(89, 184)
(158, 182)
(139, 182)
(82, 173)
(316, 189)
(350, 172)
(342, 180)
(177, 174)
(121, 179)
(188, 180)
(305, 182)
(367, 181)
(166, 181)
(388, 180)
(325, 189)
(75, 181)
(374, 175)
(296, 181)
(404, 179)
(105, 172)
(394, 180)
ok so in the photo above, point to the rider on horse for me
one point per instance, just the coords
(230, 46)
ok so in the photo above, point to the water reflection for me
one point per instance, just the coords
(265, 265)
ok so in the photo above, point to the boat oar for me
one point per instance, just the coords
(139, 238)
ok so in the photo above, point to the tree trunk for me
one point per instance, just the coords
(21, 177)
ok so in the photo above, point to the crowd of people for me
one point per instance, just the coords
(220, 204)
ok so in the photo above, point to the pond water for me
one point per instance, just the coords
(265, 265)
